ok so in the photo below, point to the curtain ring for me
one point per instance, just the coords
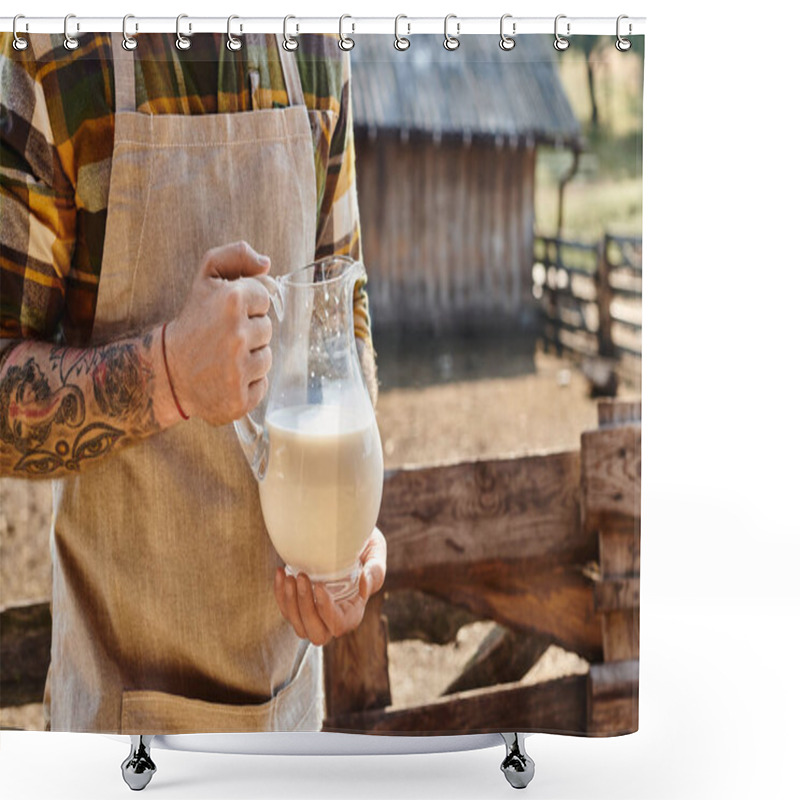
(451, 42)
(19, 42)
(289, 42)
(182, 42)
(507, 42)
(400, 42)
(561, 43)
(234, 43)
(345, 42)
(622, 44)
(70, 42)
(128, 42)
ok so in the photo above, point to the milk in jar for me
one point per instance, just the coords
(322, 491)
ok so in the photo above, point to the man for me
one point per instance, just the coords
(144, 193)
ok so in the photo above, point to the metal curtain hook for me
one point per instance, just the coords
(451, 42)
(289, 42)
(345, 42)
(19, 42)
(561, 43)
(400, 42)
(69, 41)
(181, 41)
(623, 44)
(507, 42)
(128, 42)
(233, 43)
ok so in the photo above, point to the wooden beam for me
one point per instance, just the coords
(452, 517)
(620, 549)
(25, 633)
(618, 412)
(612, 474)
(524, 595)
(357, 665)
(558, 706)
(619, 565)
(620, 634)
(613, 698)
(504, 656)
(612, 487)
(616, 594)
(605, 343)
(415, 615)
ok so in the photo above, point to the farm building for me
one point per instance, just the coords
(446, 145)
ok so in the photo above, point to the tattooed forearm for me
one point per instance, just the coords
(61, 407)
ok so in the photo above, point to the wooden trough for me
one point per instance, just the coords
(546, 545)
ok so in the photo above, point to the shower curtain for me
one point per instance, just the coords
(494, 197)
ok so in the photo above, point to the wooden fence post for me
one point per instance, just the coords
(605, 344)
(357, 666)
(611, 463)
(24, 652)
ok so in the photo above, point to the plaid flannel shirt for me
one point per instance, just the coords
(56, 141)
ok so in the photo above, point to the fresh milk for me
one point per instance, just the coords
(322, 491)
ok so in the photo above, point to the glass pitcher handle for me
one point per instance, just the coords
(254, 441)
(253, 436)
(276, 294)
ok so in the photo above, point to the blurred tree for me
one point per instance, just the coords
(586, 45)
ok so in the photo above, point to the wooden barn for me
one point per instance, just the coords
(446, 145)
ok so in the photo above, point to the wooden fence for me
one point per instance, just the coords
(591, 294)
(546, 545)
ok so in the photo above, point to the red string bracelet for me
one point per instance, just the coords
(166, 368)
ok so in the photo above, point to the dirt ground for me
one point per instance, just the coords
(444, 423)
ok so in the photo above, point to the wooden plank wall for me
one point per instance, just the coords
(447, 231)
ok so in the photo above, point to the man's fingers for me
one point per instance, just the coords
(235, 260)
(255, 296)
(259, 363)
(258, 332)
(256, 392)
(316, 629)
(373, 562)
(374, 547)
(291, 609)
(372, 576)
(340, 618)
(331, 614)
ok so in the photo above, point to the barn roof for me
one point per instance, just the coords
(476, 91)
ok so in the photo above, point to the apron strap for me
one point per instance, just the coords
(291, 76)
(124, 87)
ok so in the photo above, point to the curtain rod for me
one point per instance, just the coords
(351, 25)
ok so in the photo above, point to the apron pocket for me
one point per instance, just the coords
(297, 706)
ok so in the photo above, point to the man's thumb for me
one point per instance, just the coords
(236, 260)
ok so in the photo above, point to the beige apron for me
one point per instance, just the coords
(164, 617)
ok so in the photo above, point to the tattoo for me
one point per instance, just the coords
(93, 441)
(120, 381)
(71, 362)
(29, 407)
(90, 402)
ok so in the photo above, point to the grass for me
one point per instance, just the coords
(606, 193)
(591, 208)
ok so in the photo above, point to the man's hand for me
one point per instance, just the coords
(218, 347)
(309, 607)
